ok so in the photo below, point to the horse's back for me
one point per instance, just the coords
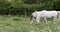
(48, 13)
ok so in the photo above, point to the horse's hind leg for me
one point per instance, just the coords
(55, 20)
(45, 20)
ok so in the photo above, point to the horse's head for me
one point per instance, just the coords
(34, 14)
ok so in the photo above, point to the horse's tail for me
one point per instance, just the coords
(58, 13)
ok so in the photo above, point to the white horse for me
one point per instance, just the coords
(44, 14)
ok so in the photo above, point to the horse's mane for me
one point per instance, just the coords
(44, 10)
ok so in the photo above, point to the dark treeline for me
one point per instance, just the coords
(20, 7)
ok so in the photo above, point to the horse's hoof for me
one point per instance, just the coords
(36, 24)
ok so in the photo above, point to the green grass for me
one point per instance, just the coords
(21, 24)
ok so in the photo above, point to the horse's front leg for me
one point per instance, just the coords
(45, 20)
(37, 20)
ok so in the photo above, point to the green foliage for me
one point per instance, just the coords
(32, 1)
(22, 6)
(57, 4)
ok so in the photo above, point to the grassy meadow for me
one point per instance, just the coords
(21, 24)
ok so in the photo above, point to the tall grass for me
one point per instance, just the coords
(21, 24)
